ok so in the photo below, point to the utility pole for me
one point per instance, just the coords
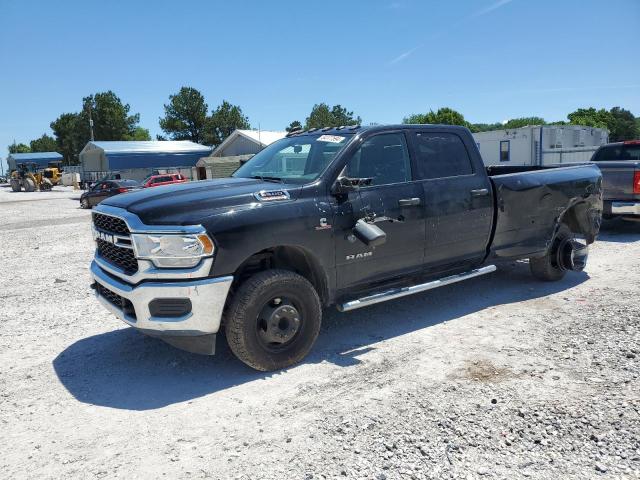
(90, 123)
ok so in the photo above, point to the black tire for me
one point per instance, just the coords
(15, 185)
(247, 329)
(46, 185)
(84, 203)
(29, 185)
(547, 268)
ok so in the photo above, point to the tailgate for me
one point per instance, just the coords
(617, 180)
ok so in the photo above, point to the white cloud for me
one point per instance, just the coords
(491, 8)
(484, 11)
(403, 56)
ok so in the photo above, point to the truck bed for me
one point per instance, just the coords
(530, 199)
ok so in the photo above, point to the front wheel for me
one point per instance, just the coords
(273, 320)
(15, 185)
(84, 203)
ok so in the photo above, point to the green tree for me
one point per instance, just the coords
(68, 136)
(185, 116)
(322, 116)
(222, 122)
(590, 117)
(111, 119)
(295, 125)
(524, 122)
(485, 127)
(623, 125)
(444, 116)
(45, 143)
(18, 148)
(138, 133)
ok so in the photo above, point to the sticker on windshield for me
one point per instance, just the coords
(330, 138)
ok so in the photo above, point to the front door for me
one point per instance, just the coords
(396, 203)
(99, 193)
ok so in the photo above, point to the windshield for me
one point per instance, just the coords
(299, 159)
(617, 152)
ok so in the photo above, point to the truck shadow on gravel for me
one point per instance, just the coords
(126, 370)
(620, 231)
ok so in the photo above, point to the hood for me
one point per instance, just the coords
(189, 203)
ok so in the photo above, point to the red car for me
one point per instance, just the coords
(166, 179)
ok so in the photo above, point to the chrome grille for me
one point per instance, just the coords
(123, 258)
(110, 224)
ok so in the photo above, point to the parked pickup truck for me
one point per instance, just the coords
(620, 166)
(347, 216)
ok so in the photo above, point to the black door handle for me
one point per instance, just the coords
(409, 202)
(481, 192)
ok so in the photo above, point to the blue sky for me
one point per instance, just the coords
(490, 59)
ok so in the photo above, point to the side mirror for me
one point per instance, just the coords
(369, 234)
(344, 185)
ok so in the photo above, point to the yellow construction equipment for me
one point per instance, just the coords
(29, 178)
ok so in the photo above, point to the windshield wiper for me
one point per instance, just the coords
(267, 179)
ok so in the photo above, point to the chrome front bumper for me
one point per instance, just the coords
(625, 208)
(207, 298)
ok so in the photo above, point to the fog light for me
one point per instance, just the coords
(170, 307)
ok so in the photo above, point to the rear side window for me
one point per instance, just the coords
(441, 155)
(384, 158)
(617, 152)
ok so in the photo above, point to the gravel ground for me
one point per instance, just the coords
(499, 377)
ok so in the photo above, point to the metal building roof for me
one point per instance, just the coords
(150, 146)
(264, 137)
(35, 156)
(122, 155)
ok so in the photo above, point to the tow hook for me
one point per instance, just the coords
(572, 255)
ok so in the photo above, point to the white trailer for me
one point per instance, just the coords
(540, 145)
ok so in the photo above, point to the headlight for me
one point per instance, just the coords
(172, 251)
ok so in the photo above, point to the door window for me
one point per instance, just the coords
(505, 151)
(383, 158)
(441, 155)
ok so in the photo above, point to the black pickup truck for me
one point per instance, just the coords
(347, 216)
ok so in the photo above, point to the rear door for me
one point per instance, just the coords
(393, 197)
(458, 199)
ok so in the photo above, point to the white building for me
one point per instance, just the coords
(246, 142)
(236, 149)
(540, 145)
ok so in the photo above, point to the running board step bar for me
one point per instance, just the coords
(423, 287)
